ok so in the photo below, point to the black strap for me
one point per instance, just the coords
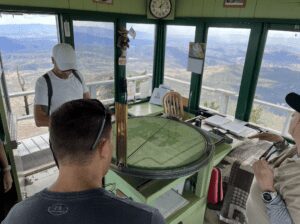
(77, 76)
(50, 91)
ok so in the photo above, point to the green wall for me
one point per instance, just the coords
(285, 9)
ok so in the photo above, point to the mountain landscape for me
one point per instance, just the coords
(27, 48)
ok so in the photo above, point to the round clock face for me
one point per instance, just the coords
(160, 8)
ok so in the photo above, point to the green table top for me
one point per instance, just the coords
(144, 109)
(159, 143)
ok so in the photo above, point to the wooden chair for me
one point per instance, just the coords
(173, 106)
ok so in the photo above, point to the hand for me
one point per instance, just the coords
(264, 175)
(268, 137)
(7, 181)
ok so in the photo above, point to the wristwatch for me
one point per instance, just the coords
(268, 196)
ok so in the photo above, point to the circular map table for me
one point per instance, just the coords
(160, 148)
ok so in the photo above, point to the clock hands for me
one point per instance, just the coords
(161, 4)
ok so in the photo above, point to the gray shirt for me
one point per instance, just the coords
(91, 207)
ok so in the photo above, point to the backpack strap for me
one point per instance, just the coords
(77, 76)
(50, 91)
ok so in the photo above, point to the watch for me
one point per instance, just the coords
(268, 196)
(160, 8)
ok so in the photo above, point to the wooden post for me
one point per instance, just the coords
(121, 125)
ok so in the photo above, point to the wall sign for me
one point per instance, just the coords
(235, 3)
(103, 1)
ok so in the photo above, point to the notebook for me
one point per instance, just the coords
(217, 120)
(236, 127)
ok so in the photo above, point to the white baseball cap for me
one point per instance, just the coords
(64, 56)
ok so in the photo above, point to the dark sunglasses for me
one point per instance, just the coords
(101, 128)
(275, 147)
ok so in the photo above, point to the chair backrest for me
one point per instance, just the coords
(173, 106)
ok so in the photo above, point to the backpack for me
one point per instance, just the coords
(50, 89)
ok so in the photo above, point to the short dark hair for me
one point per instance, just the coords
(74, 128)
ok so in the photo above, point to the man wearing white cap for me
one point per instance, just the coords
(58, 86)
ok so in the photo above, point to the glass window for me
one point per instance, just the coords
(224, 63)
(176, 57)
(94, 45)
(26, 42)
(279, 75)
(140, 56)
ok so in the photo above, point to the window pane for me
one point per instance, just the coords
(26, 42)
(177, 49)
(224, 62)
(140, 61)
(279, 75)
(94, 44)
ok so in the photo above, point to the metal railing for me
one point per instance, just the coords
(225, 95)
(92, 89)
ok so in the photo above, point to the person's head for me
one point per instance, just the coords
(80, 134)
(64, 58)
(293, 100)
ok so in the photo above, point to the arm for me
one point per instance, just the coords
(40, 116)
(7, 179)
(86, 95)
(268, 137)
(276, 209)
(278, 212)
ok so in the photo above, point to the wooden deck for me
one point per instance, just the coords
(34, 153)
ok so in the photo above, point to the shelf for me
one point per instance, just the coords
(193, 212)
(146, 191)
(142, 190)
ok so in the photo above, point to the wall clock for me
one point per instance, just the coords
(160, 9)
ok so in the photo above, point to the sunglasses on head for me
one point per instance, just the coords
(101, 128)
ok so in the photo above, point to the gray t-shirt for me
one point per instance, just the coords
(95, 206)
(64, 90)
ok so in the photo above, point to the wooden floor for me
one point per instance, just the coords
(33, 153)
(34, 144)
(35, 164)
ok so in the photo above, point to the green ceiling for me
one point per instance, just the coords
(184, 8)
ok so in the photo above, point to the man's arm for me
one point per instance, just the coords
(276, 209)
(40, 116)
(268, 137)
(3, 159)
(86, 95)
(278, 212)
(7, 179)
